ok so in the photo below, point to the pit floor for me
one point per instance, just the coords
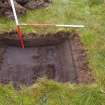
(24, 66)
(63, 60)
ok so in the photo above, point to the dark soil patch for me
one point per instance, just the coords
(60, 56)
(21, 6)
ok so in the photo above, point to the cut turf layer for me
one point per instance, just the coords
(60, 56)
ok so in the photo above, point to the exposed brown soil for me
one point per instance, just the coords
(21, 6)
(60, 56)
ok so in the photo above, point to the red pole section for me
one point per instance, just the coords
(18, 29)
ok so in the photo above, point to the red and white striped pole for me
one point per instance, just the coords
(18, 29)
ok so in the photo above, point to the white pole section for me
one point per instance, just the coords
(14, 12)
(73, 26)
(55, 25)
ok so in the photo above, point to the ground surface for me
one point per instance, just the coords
(87, 12)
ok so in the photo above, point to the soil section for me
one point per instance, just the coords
(60, 56)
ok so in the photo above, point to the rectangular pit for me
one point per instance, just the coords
(56, 58)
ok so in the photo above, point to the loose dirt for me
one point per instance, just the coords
(21, 6)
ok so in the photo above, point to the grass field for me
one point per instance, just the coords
(87, 12)
(46, 92)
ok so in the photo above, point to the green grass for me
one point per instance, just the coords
(87, 12)
(47, 92)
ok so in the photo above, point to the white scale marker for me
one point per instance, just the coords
(14, 12)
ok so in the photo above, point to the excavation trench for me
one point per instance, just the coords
(59, 56)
